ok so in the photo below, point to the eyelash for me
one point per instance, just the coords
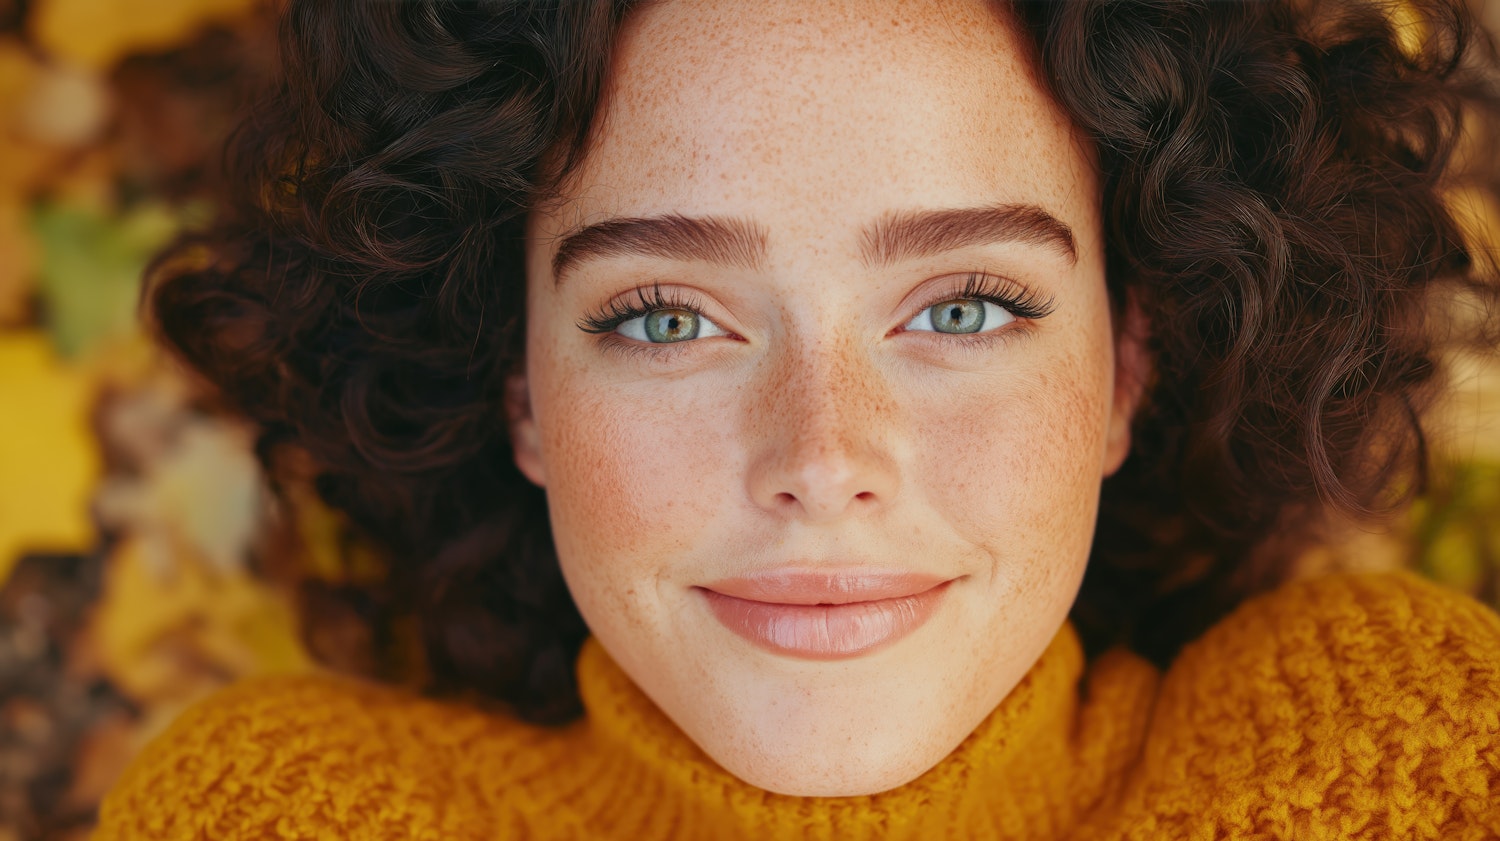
(1004, 293)
(648, 300)
(978, 286)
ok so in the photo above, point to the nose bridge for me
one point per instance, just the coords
(827, 388)
(823, 422)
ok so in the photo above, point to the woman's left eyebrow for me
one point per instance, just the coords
(912, 234)
(895, 237)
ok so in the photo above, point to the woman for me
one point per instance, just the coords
(795, 350)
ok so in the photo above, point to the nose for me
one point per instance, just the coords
(822, 429)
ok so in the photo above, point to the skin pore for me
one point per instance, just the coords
(824, 187)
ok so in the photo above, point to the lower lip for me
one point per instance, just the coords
(825, 631)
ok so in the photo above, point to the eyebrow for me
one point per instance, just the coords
(710, 239)
(910, 235)
(737, 242)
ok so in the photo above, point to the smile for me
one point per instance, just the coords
(825, 616)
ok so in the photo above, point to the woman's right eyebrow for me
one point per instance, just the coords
(893, 238)
(710, 239)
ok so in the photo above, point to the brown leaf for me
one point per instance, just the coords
(107, 748)
(18, 268)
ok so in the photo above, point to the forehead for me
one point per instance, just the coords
(826, 106)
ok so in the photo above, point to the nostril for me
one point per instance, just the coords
(819, 478)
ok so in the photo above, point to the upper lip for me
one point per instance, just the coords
(810, 586)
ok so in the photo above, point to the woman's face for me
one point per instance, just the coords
(823, 469)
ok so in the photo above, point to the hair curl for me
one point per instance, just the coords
(1274, 180)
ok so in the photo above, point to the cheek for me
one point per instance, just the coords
(1017, 468)
(634, 478)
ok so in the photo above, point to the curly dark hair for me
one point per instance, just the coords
(1274, 190)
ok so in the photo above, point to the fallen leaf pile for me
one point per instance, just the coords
(130, 519)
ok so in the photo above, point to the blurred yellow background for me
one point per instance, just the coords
(135, 527)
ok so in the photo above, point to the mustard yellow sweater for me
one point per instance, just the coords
(1346, 707)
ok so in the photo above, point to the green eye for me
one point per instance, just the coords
(961, 315)
(662, 324)
(957, 316)
(675, 325)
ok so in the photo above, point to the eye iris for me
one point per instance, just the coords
(671, 325)
(958, 316)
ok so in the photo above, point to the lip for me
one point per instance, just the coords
(825, 615)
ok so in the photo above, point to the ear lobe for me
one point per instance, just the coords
(525, 438)
(1132, 371)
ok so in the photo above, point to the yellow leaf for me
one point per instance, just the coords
(326, 552)
(1454, 559)
(18, 72)
(96, 33)
(48, 459)
(166, 634)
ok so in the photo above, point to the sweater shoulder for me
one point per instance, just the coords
(1344, 706)
(1385, 626)
(316, 756)
(1372, 642)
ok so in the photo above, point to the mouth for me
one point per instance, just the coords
(816, 615)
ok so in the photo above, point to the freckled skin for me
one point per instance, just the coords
(820, 431)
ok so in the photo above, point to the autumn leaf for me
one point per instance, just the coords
(18, 264)
(165, 635)
(91, 267)
(49, 462)
(95, 34)
(197, 483)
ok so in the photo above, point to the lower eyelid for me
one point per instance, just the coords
(977, 343)
(615, 343)
(662, 353)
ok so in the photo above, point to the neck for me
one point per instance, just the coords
(1018, 773)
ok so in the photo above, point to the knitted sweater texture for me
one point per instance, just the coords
(1344, 707)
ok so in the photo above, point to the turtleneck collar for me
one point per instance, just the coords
(1019, 774)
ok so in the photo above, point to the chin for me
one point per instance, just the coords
(798, 775)
(834, 762)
